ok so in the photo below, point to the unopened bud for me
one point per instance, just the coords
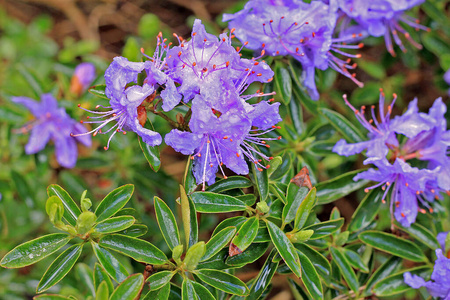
(82, 77)
(263, 207)
(85, 222)
(180, 118)
(301, 236)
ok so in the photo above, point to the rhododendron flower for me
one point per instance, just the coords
(82, 77)
(52, 123)
(439, 285)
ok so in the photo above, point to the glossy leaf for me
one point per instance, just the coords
(194, 255)
(161, 294)
(423, 235)
(33, 251)
(102, 292)
(135, 230)
(323, 229)
(305, 208)
(294, 198)
(233, 221)
(130, 288)
(59, 267)
(345, 268)
(264, 277)
(261, 180)
(321, 264)
(283, 83)
(202, 292)
(263, 234)
(395, 284)
(232, 182)
(219, 241)
(386, 269)
(394, 245)
(71, 209)
(207, 202)
(188, 291)
(114, 224)
(338, 187)
(355, 260)
(244, 237)
(100, 275)
(253, 253)
(151, 155)
(167, 223)
(310, 277)
(189, 217)
(159, 279)
(344, 126)
(366, 211)
(85, 277)
(98, 90)
(137, 249)
(111, 265)
(285, 248)
(114, 201)
(50, 297)
(223, 281)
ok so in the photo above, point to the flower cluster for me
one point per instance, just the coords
(439, 286)
(383, 18)
(208, 74)
(393, 144)
(52, 123)
(302, 30)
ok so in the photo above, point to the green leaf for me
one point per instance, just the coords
(207, 202)
(274, 164)
(151, 154)
(232, 182)
(366, 211)
(167, 223)
(31, 79)
(261, 180)
(114, 224)
(294, 198)
(112, 266)
(338, 187)
(71, 209)
(98, 90)
(264, 277)
(59, 267)
(202, 292)
(33, 251)
(130, 288)
(285, 248)
(50, 297)
(288, 158)
(113, 202)
(159, 279)
(244, 236)
(138, 250)
(345, 268)
(233, 221)
(344, 126)
(394, 245)
(388, 268)
(161, 294)
(194, 255)
(102, 292)
(321, 264)
(355, 260)
(305, 208)
(325, 228)
(188, 291)
(84, 275)
(253, 253)
(135, 230)
(263, 234)
(100, 276)
(283, 83)
(423, 235)
(395, 284)
(218, 242)
(189, 217)
(54, 209)
(310, 277)
(223, 281)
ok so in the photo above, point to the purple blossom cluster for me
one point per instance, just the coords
(207, 74)
(53, 123)
(393, 144)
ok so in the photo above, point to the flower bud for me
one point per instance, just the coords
(176, 254)
(82, 77)
(263, 207)
(193, 256)
(85, 222)
(301, 236)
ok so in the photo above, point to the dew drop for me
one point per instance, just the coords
(30, 256)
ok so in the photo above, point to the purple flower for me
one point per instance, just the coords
(439, 285)
(383, 18)
(199, 64)
(407, 184)
(441, 237)
(82, 77)
(52, 123)
(295, 28)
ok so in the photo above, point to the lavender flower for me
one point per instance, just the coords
(426, 139)
(439, 285)
(384, 18)
(52, 123)
(295, 28)
(199, 64)
(441, 237)
(82, 77)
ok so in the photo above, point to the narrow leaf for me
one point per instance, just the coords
(345, 268)
(310, 277)
(114, 224)
(395, 284)
(208, 202)
(325, 228)
(98, 90)
(244, 236)
(261, 181)
(100, 275)
(33, 251)
(130, 288)
(344, 126)
(251, 254)
(423, 235)
(167, 223)
(264, 277)
(202, 292)
(151, 154)
(366, 211)
(113, 202)
(218, 242)
(294, 198)
(321, 264)
(159, 279)
(71, 209)
(114, 268)
(223, 281)
(232, 182)
(338, 187)
(189, 217)
(388, 268)
(305, 208)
